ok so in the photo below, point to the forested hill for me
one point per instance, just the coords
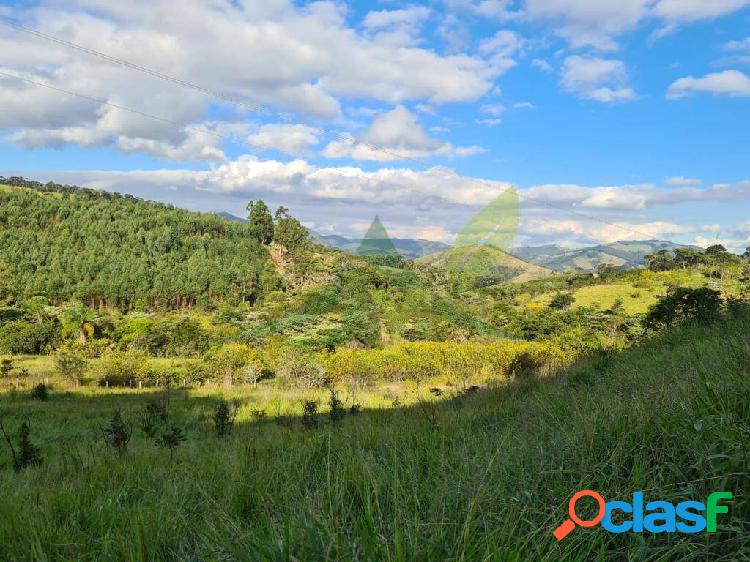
(116, 250)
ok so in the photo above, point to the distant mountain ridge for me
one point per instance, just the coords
(626, 254)
(407, 247)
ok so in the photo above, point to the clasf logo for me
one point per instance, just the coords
(653, 517)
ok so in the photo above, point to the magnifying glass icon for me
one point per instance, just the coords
(569, 524)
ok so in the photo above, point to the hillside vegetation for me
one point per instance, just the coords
(483, 475)
(114, 250)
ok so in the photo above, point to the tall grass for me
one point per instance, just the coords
(482, 476)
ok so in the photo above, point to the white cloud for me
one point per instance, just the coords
(589, 22)
(543, 65)
(595, 231)
(738, 45)
(682, 181)
(676, 11)
(524, 105)
(604, 80)
(290, 139)
(395, 135)
(298, 178)
(633, 197)
(397, 27)
(500, 49)
(731, 83)
(489, 122)
(598, 23)
(303, 58)
(496, 109)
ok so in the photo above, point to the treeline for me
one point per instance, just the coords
(118, 251)
(684, 258)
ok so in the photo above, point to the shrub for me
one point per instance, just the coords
(702, 305)
(562, 301)
(171, 439)
(457, 361)
(309, 414)
(120, 368)
(154, 416)
(305, 370)
(6, 366)
(224, 418)
(337, 410)
(234, 363)
(117, 434)
(39, 392)
(31, 338)
(70, 363)
(28, 454)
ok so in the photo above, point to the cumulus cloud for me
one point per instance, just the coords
(682, 181)
(599, 79)
(598, 23)
(595, 231)
(589, 22)
(395, 135)
(731, 83)
(634, 197)
(295, 140)
(304, 58)
(677, 11)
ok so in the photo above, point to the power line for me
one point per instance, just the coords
(132, 66)
(229, 99)
(110, 104)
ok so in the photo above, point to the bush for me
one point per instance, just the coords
(701, 305)
(457, 361)
(117, 434)
(224, 418)
(562, 301)
(39, 392)
(70, 363)
(28, 338)
(337, 410)
(154, 416)
(171, 439)
(309, 414)
(120, 368)
(305, 370)
(234, 363)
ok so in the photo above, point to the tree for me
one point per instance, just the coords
(70, 363)
(660, 261)
(260, 222)
(117, 434)
(562, 301)
(288, 231)
(746, 255)
(686, 257)
(702, 305)
(235, 363)
(78, 322)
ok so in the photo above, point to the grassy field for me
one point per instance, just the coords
(477, 476)
(640, 293)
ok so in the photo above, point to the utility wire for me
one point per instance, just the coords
(110, 104)
(132, 66)
(229, 99)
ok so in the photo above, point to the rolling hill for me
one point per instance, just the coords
(484, 265)
(626, 254)
(407, 247)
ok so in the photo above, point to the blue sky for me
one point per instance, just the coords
(620, 119)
